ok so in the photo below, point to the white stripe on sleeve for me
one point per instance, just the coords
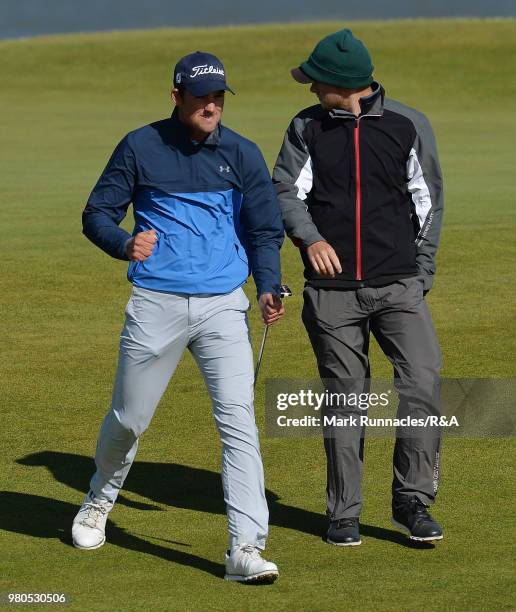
(304, 180)
(418, 188)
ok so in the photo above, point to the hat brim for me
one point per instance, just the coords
(301, 77)
(203, 88)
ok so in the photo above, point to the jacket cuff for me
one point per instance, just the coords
(120, 252)
(428, 281)
(309, 239)
(274, 289)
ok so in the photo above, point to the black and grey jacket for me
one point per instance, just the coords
(370, 186)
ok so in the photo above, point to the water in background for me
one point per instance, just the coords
(33, 17)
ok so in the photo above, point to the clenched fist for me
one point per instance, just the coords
(140, 247)
(271, 308)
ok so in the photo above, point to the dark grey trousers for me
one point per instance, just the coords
(339, 323)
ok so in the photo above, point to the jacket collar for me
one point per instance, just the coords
(371, 105)
(181, 131)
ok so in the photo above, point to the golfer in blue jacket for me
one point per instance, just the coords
(205, 217)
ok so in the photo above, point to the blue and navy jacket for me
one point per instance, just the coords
(211, 204)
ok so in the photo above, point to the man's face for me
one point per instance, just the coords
(201, 115)
(331, 96)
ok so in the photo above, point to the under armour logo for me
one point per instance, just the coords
(222, 169)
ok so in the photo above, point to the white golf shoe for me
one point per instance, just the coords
(245, 564)
(89, 525)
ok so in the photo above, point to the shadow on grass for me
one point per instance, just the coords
(379, 533)
(42, 517)
(181, 486)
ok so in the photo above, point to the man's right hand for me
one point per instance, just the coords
(140, 247)
(323, 258)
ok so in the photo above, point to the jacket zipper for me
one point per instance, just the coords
(358, 202)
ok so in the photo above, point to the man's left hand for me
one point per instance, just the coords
(271, 308)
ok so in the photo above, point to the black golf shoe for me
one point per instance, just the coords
(344, 532)
(412, 516)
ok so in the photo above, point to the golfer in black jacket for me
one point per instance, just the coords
(360, 188)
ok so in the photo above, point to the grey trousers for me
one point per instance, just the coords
(339, 323)
(158, 328)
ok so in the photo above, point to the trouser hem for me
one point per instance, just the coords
(235, 541)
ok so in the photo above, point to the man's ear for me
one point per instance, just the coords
(176, 96)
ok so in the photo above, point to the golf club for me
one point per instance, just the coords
(284, 292)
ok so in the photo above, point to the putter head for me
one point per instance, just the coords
(285, 291)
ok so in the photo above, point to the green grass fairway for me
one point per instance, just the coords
(65, 102)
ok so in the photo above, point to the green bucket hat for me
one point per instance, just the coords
(340, 59)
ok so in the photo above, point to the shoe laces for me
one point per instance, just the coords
(93, 513)
(419, 509)
(251, 550)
